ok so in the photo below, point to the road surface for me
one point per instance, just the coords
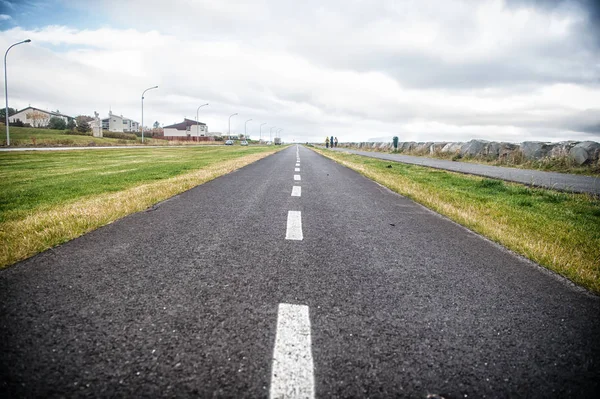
(292, 277)
(536, 178)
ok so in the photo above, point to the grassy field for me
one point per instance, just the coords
(34, 137)
(48, 198)
(557, 230)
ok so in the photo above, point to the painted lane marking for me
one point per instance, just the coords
(294, 226)
(298, 164)
(296, 191)
(297, 177)
(296, 169)
(292, 373)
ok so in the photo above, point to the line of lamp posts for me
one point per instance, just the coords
(143, 93)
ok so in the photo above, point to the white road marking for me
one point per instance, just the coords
(294, 226)
(296, 169)
(296, 191)
(292, 373)
(298, 164)
(297, 177)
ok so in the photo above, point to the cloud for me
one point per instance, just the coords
(427, 70)
(4, 17)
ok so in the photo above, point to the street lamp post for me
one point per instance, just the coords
(271, 133)
(261, 130)
(229, 128)
(149, 88)
(277, 132)
(197, 125)
(246, 129)
(6, 89)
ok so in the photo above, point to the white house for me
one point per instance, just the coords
(187, 128)
(115, 123)
(37, 117)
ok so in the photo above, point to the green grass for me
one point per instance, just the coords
(35, 137)
(50, 197)
(560, 231)
(34, 179)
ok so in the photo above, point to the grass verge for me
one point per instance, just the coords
(559, 231)
(36, 137)
(48, 199)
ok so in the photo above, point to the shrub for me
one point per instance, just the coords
(119, 135)
(77, 133)
(17, 123)
(83, 127)
(57, 123)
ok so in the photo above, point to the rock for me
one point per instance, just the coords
(562, 149)
(423, 147)
(535, 149)
(452, 148)
(436, 147)
(474, 148)
(585, 152)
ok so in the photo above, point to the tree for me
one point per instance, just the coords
(83, 118)
(39, 118)
(156, 125)
(71, 124)
(83, 127)
(57, 123)
(11, 112)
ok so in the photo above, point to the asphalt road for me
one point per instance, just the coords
(370, 295)
(536, 178)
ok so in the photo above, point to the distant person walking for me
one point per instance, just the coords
(326, 142)
(331, 142)
(335, 142)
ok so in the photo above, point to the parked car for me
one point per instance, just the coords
(244, 142)
(229, 142)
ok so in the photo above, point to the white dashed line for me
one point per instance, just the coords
(298, 164)
(297, 177)
(294, 226)
(296, 169)
(292, 372)
(296, 191)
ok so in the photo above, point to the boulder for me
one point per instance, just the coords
(436, 147)
(474, 148)
(407, 145)
(452, 148)
(535, 149)
(585, 152)
(423, 147)
(562, 149)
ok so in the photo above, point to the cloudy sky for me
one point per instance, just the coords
(427, 70)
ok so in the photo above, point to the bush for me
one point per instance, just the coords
(71, 125)
(57, 123)
(84, 127)
(17, 123)
(78, 133)
(119, 135)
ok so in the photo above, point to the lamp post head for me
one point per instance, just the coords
(27, 41)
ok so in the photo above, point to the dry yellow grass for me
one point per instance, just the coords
(44, 229)
(556, 236)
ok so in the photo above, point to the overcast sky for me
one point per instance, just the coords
(428, 70)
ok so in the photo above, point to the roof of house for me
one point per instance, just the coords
(47, 112)
(184, 125)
